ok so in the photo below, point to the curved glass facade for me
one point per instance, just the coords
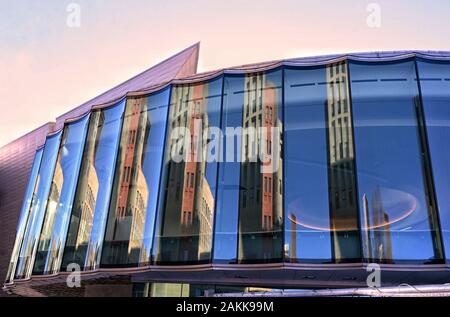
(435, 90)
(60, 198)
(88, 219)
(249, 215)
(325, 163)
(30, 193)
(399, 220)
(38, 207)
(320, 204)
(133, 204)
(185, 221)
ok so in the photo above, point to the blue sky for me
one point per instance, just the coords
(54, 68)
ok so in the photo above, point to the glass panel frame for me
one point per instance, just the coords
(321, 208)
(38, 205)
(397, 212)
(60, 200)
(24, 214)
(185, 221)
(133, 206)
(396, 125)
(249, 217)
(86, 230)
(434, 81)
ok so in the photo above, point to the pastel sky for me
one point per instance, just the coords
(48, 68)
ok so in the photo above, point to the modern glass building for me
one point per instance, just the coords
(356, 170)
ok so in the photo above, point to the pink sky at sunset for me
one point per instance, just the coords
(48, 68)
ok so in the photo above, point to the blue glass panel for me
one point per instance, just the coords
(249, 210)
(227, 215)
(153, 161)
(136, 182)
(38, 206)
(24, 214)
(398, 224)
(321, 223)
(91, 203)
(187, 200)
(60, 200)
(306, 185)
(435, 86)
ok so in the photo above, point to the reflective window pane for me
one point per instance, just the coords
(398, 223)
(226, 218)
(38, 206)
(90, 209)
(136, 182)
(60, 199)
(435, 87)
(187, 203)
(249, 213)
(321, 223)
(24, 213)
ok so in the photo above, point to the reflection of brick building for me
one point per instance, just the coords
(132, 202)
(85, 198)
(46, 233)
(205, 218)
(260, 207)
(184, 231)
(187, 225)
(87, 207)
(53, 201)
(126, 228)
(52, 206)
(87, 194)
(342, 187)
(138, 205)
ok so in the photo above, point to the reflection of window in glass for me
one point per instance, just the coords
(398, 222)
(192, 180)
(129, 233)
(60, 199)
(344, 216)
(258, 241)
(87, 222)
(38, 206)
(184, 227)
(321, 224)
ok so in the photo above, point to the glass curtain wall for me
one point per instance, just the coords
(136, 184)
(188, 197)
(38, 206)
(249, 213)
(321, 221)
(30, 193)
(435, 87)
(91, 203)
(205, 180)
(398, 218)
(60, 199)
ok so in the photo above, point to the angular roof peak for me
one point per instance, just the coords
(182, 64)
